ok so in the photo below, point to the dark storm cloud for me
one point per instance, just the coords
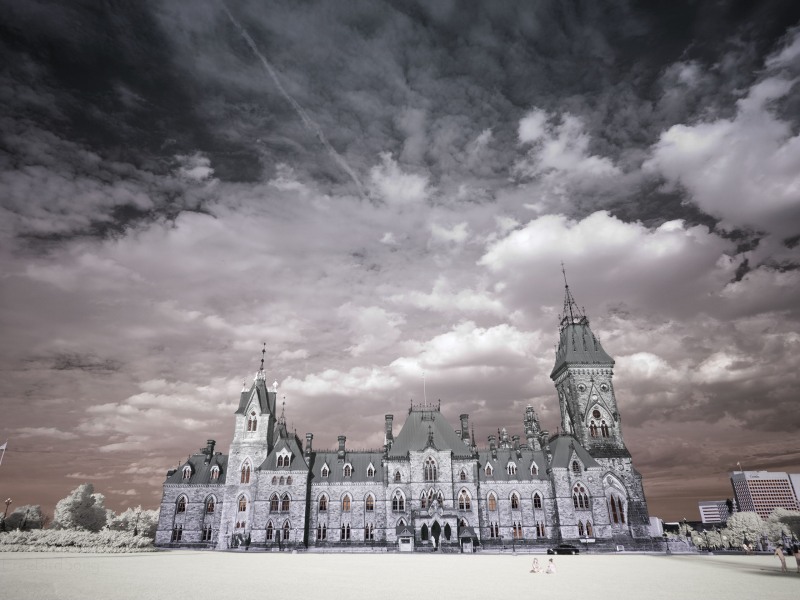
(182, 209)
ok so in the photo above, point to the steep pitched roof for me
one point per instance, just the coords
(201, 471)
(562, 448)
(578, 345)
(359, 460)
(422, 424)
(266, 398)
(289, 442)
(523, 464)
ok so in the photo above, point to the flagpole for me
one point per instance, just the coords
(3, 448)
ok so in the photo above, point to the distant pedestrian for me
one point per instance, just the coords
(782, 558)
(551, 567)
(535, 568)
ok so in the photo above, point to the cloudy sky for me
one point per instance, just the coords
(381, 189)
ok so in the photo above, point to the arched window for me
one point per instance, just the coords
(593, 429)
(369, 503)
(214, 472)
(323, 503)
(206, 533)
(282, 480)
(423, 534)
(604, 429)
(398, 502)
(289, 480)
(617, 510)
(423, 500)
(369, 532)
(576, 467)
(210, 505)
(181, 504)
(580, 528)
(579, 497)
(187, 472)
(440, 498)
(463, 475)
(397, 476)
(348, 471)
(345, 532)
(286, 530)
(274, 480)
(517, 530)
(325, 471)
(245, 472)
(346, 503)
(537, 501)
(285, 503)
(514, 501)
(270, 531)
(589, 530)
(274, 503)
(494, 530)
(429, 469)
(540, 529)
(464, 501)
(280, 461)
(488, 470)
(252, 421)
(370, 471)
(511, 468)
(491, 501)
(242, 504)
(534, 469)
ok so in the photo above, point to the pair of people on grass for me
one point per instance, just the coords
(535, 568)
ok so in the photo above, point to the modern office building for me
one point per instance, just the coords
(714, 511)
(764, 491)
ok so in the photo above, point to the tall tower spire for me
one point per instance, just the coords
(571, 313)
(261, 375)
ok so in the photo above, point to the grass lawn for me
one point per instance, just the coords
(178, 575)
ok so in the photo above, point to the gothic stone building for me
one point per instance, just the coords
(430, 486)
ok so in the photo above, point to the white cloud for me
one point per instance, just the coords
(395, 186)
(45, 432)
(372, 328)
(194, 167)
(744, 170)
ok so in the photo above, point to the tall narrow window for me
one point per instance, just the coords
(511, 469)
(369, 504)
(576, 467)
(537, 501)
(514, 501)
(370, 471)
(429, 469)
(323, 503)
(346, 504)
(270, 531)
(604, 429)
(398, 502)
(325, 471)
(182, 504)
(187, 472)
(589, 530)
(580, 528)
(491, 501)
(245, 472)
(285, 503)
(289, 480)
(463, 475)
(593, 429)
(252, 421)
(464, 501)
(348, 471)
(210, 505)
(397, 476)
(214, 472)
(242, 504)
(539, 529)
(488, 470)
(534, 469)
(369, 532)
(274, 503)
(286, 530)
(579, 497)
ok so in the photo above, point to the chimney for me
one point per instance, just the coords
(208, 450)
(388, 427)
(464, 427)
(340, 453)
(515, 441)
(309, 439)
(493, 445)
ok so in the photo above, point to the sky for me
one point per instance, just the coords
(383, 193)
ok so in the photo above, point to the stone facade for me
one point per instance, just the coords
(272, 491)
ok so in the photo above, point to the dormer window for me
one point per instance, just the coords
(187, 472)
(325, 471)
(511, 468)
(214, 472)
(534, 469)
(576, 467)
(488, 470)
(283, 458)
(463, 475)
(348, 471)
(370, 471)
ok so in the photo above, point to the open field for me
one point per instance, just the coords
(217, 576)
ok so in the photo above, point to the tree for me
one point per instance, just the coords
(136, 520)
(744, 525)
(25, 518)
(777, 528)
(793, 523)
(82, 509)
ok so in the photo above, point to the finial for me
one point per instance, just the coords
(263, 352)
(564, 272)
(244, 385)
(274, 386)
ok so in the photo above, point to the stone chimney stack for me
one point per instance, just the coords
(465, 428)
(493, 445)
(208, 450)
(340, 453)
(309, 440)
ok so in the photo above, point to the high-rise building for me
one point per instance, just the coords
(763, 491)
(714, 511)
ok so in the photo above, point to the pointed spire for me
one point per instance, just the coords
(260, 374)
(571, 313)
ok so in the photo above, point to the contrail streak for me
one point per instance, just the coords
(310, 124)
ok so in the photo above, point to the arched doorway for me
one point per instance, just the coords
(447, 531)
(424, 533)
(436, 531)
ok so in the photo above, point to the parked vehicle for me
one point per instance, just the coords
(564, 549)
